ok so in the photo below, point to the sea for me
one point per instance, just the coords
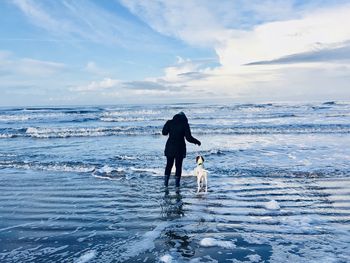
(85, 184)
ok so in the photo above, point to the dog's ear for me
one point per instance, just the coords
(197, 158)
(202, 158)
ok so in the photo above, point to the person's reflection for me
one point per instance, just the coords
(172, 205)
(177, 239)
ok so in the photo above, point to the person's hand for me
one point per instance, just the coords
(198, 143)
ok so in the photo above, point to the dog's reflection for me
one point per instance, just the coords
(172, 205)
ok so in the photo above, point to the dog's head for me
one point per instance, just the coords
(199, 160)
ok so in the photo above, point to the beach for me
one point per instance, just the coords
(85, 184)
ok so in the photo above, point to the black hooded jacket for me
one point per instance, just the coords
(178, 129)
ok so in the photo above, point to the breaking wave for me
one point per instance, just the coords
(40, 132)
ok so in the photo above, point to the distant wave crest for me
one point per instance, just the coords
(65, 132)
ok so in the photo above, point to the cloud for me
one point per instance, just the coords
(42, 16)
(171, 83)
(4, 54)
(83, 20)
(145, 85)
(93, 68)
(216, 25)
(190, 21)
(106, 83)
(207, 23)
(284, 44)
(11, 65)
(38, 67)
(194, 75)
(269, 41)
(325, 55)
(178, 77)
(186, 69)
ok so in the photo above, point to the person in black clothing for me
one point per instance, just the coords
(175, 148)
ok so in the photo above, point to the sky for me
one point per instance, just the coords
(95, 52)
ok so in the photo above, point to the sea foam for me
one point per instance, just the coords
(272, 205)
(86, 257)
(212, 242)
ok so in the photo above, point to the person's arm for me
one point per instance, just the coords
(189, 136)
(165, 130)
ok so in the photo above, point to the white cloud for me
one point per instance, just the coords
(83, 20)
(216, 25)
(106, 83)
(41, 18)
(177, 72)
(276, 39)
(206, 22)
(93, 68)
(306, 31)
(41, 68)
(240, 32)
(4, 54)
(190, 21)
(339, 54)
(21, 67)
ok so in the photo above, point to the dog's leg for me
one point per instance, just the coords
(198, 183)
(206, 182)
(202, 179)
(197, 175)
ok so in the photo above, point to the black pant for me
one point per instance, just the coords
(169, 165)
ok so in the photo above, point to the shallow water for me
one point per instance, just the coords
(84, 184)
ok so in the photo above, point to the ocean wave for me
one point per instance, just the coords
(45, 109)
(97, 170)
(106, 177)
(127, 172)
(29, 114)
(10, 118)
(158, 171)
(237, 113)
(63, 109)
(58, 167)
(74, 167)
(38, 116)
(130, 119)
(277, 115)
(66, 132)
(276, 129)
(4, 135)
(154, 171)
(79, 119)
(213, 152)
(125, 157)
(329, 103)
(106, 169)
(131, 112)
(87, 132)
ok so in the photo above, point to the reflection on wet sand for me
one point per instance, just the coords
(172, 205)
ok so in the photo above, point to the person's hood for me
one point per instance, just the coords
(180, 117)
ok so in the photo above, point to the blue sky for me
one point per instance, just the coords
(59, 52)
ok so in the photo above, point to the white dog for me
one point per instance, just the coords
(201, 173)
